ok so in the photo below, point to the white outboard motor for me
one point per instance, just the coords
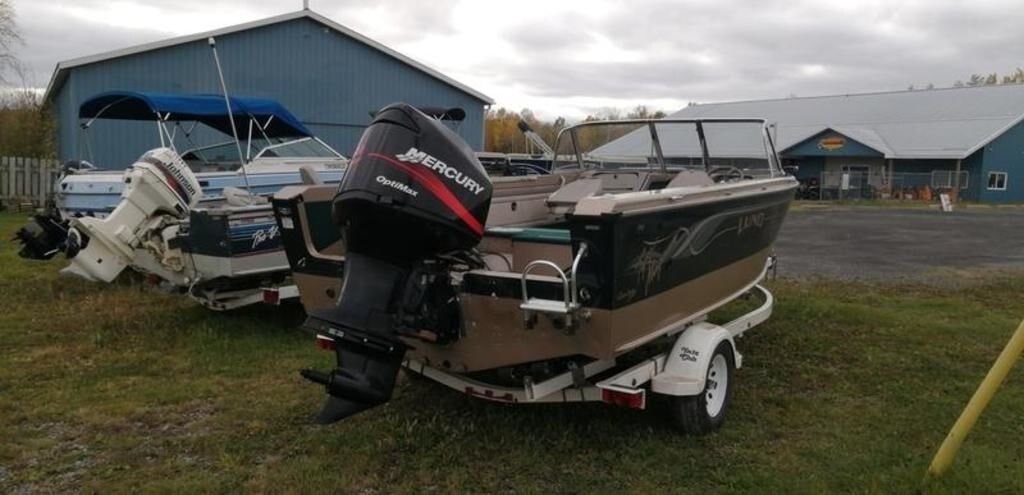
(158, 184)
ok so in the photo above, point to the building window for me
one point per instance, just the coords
(997, 181)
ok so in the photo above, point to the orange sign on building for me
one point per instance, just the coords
(832, 143)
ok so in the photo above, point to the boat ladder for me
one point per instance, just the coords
(568, 309)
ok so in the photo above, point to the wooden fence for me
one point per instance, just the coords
(27, 182)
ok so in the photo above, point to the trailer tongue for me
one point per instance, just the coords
(410, 208)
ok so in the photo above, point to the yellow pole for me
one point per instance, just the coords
(989, 386)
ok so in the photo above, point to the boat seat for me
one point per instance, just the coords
(570, 194)
(531, 234)
(690, 178)
(621, 181)
(234, 196)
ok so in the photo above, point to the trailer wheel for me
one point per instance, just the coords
(704, 413)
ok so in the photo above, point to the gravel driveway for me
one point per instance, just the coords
(873, 243)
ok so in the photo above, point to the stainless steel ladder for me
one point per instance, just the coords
(569, 308)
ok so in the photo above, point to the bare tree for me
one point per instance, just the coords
(9, 37)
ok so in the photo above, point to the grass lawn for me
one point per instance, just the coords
(849, 388)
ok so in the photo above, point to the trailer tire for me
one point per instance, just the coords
(704, 413)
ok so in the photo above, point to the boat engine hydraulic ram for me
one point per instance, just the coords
(412, 206)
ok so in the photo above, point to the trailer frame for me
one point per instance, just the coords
(680, 372)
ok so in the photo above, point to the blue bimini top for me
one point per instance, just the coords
(206, 109)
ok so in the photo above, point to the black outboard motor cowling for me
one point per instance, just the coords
(413, 191)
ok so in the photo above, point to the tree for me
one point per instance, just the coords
(503, 134)
(642, 112)
(1015, 77)
(9, 38)
(26, 127)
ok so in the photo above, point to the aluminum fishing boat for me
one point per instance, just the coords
(523, 289)
(197, 220)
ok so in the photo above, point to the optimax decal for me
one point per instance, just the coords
(397, 185)
(441, 168)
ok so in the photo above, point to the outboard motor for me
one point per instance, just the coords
(47, 234)
(158, 184)
(411, 208)
(43, 237)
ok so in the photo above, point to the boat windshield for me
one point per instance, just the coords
(299, 148)
(725, 145)
(220, 152)
(278, 147)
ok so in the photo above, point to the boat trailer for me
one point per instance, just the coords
(686, 371)
(226, 300)
(696, 372)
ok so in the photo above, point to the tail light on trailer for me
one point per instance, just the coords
(632, 399)
(271, 297)
(324, 342)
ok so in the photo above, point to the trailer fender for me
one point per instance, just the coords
(686, 366)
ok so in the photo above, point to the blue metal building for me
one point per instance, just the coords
(329, 76)
(898, 143)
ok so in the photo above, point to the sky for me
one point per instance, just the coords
(576, 57)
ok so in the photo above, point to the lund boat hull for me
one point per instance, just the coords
(654, 262)
(498, 337)
(646, 272)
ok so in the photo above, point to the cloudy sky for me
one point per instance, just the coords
(573, 57)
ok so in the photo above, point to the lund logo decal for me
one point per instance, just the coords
(401, 186)
(264, 235)
(750, 221)
(685, 242)
(441, 168)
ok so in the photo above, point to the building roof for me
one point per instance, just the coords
(60, 72)
(947, 123)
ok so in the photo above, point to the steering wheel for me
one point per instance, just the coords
(723, 174)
